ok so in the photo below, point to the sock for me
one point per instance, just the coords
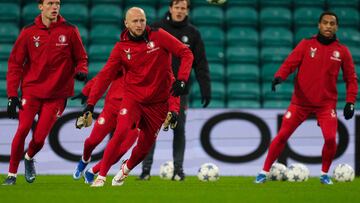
(12, 174)
(91, 171)
(126, 169)
(82, 159)
(264, 172)
(27, 157)
(101, 178)
(323, 173)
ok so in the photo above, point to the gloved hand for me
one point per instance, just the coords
(275, 82)
(85, 120)
(80, 96)
(13, 102)
(349, 111)
(171, 120)
(205, 101)
(178, 88)
(80, 76)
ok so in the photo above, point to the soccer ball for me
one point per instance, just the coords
(208, 172)
(277, 172)
(344, 173)
(297, 173)
(167, 170)
(217, 2)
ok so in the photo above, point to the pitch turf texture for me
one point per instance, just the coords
(228, 189)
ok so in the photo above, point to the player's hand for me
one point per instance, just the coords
(171, 120)
(13, 102)
(205, 100)
(85, 120)
(81, 76)
(80, 96)
(178, 88)
(349, 110)
(275, 82)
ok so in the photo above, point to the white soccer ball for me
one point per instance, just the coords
(277, 172)
(344, 173)
(297, 173)
(167, 170)
(208, 172)
(217, 2)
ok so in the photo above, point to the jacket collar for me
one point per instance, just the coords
(125, 35)
(167, 19)
(38, 22)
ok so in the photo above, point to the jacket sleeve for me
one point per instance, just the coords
(292, 62)
(87, 88)
(201, 67)
(174, 104)
(105, 76)
(18, 57)
(349, 76)
(175, 47)
(80, 56)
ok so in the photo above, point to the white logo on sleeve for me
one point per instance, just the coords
(101, 121)
(288, 115)
(123, 111)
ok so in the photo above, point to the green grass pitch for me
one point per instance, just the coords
(56, 188)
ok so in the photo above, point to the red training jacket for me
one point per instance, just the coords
(44, 60)
(147, 66)
(318, 66)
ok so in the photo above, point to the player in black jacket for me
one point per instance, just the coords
(176, 23)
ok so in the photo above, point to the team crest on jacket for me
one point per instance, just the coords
(150, 45)
(128, 54)
(101, 121)
(36, 41)
(123, 111)
(288, 115)
(312, 52)
(335, 56)
(333, 113)
(62, 41)
(23, 102)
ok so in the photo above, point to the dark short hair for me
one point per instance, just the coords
(331, 14)
(40, 1)
(172, 2)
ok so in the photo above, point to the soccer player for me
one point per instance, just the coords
(144, 54)
(317, 61)
(46, 57)
(177, 23)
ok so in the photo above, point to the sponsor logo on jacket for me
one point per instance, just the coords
(62, 41)
(152, 47)
(335, 56)
(36, 41)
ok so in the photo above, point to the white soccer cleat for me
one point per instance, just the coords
(119, 178)
(99, 182)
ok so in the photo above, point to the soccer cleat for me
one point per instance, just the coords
(79, 170)
(30, 172)
(178, 175)
(260, 178)
(89, 177)
(119, 178)
(10, 180)
(145, 175)
(325, 179)
(99, 182)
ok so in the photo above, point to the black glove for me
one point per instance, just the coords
(205, 101)
(349, 111)
(80, 96)
(13, 102)
(178, 88)
(80, 76)
(275, 82)
(88, 108)
(171, 120)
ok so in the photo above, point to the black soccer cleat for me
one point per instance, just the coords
(30, 173)
(10, 180)
(178, 175)
(145, 175)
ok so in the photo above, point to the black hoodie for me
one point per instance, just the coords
(189, 35)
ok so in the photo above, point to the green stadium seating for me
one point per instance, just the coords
(149, 11)
(283, 91)
(349, 36)
(197, 3)
(242, 54)
(212, 35)
(84, 34)
(9, 12)
(74, 103)
(252, 104)
(106, 13)
(161, 12)
(140, 3)
(276, 104)
(5, 50)
(268, 70)
(3, 69)
(355, 52)
(242, 36)
(305, 32)
(214, 54)
(307, 16)
(357, 70)
(94, 2)
(309, 3)
(349, 17)
(241, 16)
(275, 16)
(243, 90)
(3, 102)
(272, 36)
(214, 103)
(95, 67)
(207, 15)
(29, 12)
(274, 54)
(276, 3)
(99, 52)
(105, 34)
(75, 13)
(348, 3)
(217, 72)
(78, 87)
(3, 88)
(242, 3)
(341, 88)
(8, 32)
(217, 91)
(239, 72)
